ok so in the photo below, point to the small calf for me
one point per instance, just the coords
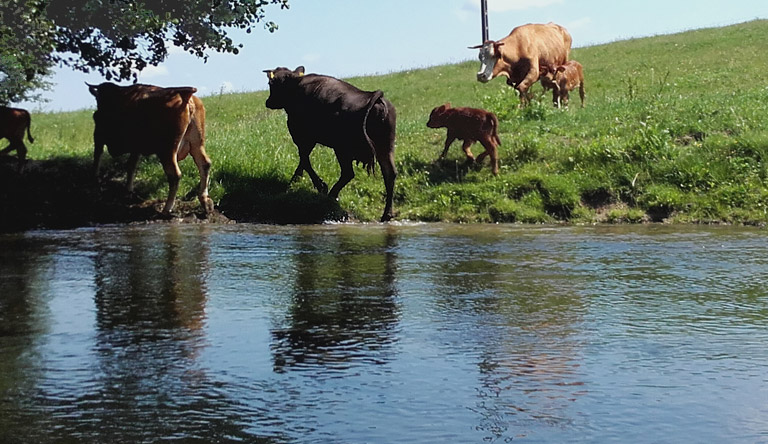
(563, 79)
(470, 125)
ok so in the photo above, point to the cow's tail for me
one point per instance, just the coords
(494, 121)
(29, 124)
(370, 166)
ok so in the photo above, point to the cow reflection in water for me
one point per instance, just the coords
(342, 311)
(150, 299)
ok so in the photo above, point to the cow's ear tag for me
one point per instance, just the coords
(271, 75)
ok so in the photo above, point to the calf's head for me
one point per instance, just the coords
(437, 116)
(489, 55)
(282, 84)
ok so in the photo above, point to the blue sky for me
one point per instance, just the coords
(346, 38)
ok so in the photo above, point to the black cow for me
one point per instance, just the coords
(358, 125)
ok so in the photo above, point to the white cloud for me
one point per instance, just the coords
(310, 58)
(151, 72)
(226, 87)
(579, 23)
(511, 5)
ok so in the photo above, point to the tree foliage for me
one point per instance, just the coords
(117, 38)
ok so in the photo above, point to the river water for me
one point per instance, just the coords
(384, 334)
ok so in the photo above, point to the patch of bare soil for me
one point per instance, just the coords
(62, 193)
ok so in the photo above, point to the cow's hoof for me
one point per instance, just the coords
(207, 205)
(386, 217)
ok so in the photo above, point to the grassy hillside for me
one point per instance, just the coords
(675, 128)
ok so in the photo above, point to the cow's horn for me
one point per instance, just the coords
(475, 47)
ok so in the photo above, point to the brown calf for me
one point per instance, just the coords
(563, 79)
(470, 125)
(13, 123)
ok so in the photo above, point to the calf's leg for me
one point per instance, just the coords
(490, 150)
(468, 143)
(448, 141)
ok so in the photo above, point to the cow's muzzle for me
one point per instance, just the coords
(482, 77)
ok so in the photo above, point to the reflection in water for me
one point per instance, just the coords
(24, 265)
(518, 315)
(384, 333)
(342, 309)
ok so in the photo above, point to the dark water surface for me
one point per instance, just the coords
(384, 334)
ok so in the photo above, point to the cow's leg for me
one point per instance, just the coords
(194, 144)
(133, 164)
(527, 82)
(465, 146)
(22, 153)
(556, 98)
(98, 151)
(304, 151)
(347, 174)
(389, 172)
(203, 163)
(581, 93)
(173, 173)
(448, 141)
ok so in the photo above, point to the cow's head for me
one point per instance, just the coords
(104, 93)
(489, 55)
(437, 116)
(282, 83)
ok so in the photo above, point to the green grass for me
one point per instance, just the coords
(675, 128)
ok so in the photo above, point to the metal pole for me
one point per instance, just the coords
(484, 18)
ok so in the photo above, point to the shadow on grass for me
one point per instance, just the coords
(271, 200)
(62, 193)
(446, 170)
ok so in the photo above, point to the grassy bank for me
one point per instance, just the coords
(675, 129)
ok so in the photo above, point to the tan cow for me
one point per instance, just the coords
(13, 123)
(519, 55)
(470, 125)
(145, 120)
(562, 80)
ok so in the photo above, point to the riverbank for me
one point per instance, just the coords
(674, 131)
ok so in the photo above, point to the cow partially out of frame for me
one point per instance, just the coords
(13, 123)
(146, 120)
(358, 125)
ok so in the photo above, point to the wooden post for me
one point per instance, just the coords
(484, 19)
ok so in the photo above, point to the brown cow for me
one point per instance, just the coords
(562, 80)
(145, 120)
(13, 123)
(519, 55)
(470, 125)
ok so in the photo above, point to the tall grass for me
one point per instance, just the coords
(675, 129)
